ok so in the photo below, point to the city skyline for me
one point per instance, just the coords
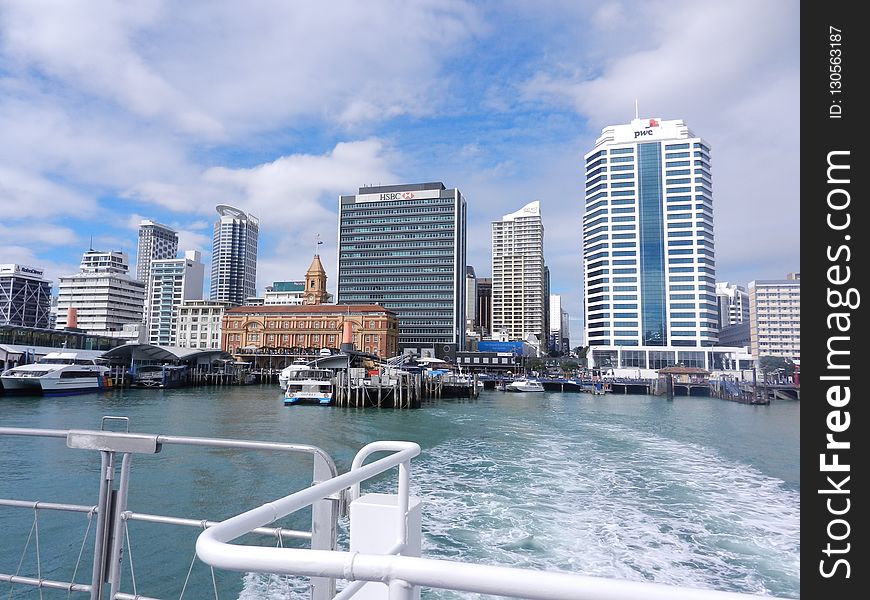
(102, 130)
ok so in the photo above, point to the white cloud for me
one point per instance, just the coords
(36, 232)
(24, 196)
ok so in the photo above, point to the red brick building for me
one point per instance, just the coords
(279, 328)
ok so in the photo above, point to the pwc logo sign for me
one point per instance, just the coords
(647, 130)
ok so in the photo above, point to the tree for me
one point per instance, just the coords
(770, 364)
(535, 364)
(581, 352)
(569, 366)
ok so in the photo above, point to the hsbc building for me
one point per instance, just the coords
(403, 247)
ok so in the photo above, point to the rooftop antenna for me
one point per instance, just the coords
(92, 244)
(635, 109)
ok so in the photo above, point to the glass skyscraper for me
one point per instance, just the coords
(648, 252)
(403, 247)
(234, 256)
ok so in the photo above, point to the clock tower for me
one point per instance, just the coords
(315, 283)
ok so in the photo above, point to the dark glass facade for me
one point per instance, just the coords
(652, 247)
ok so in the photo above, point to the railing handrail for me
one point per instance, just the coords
(212, 543)
(179, 440)
(399, 572)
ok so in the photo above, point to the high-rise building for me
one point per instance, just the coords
(104, 296)
(483, 314)
(649, 271)
(173, 280)
(648, 254)
(733, 301)
(156, 242)
(775, 317)
(25, 296)
(559, 333)
(519, 286)
(403, 247)
(234, 256)
(470, 298)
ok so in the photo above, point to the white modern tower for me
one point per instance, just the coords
(156, 242)
(648, 256)
(234, 255)
(518, 286)
(104, 296)
(173, 280)
(733, 302)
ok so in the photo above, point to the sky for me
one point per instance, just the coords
(113, 111)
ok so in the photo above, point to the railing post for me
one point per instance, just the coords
(101, 536)
(324, 516)
(117, 534)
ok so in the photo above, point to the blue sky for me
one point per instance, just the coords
(115, 111)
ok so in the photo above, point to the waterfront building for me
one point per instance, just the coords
(775, 317)
(483, 312)
(234, 255)
(559, 328)
(156, 242)
(403, 247)
(279, 329)
(648, 255)
(519, 286)
(25, 296)
(645, 361)
(104, 297)
(20, 344)
(173, 280)
(199, 323)
(733, 301)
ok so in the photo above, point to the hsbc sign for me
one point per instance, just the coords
(398, 196)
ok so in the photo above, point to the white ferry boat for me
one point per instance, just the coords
(57, 373)
(308, 385)
(525, 385)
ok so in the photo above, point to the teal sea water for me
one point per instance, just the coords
(697, 492)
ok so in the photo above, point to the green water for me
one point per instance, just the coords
(696, 491)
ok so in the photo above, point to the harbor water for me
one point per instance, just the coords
(698, 492)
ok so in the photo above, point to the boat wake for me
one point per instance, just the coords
(606, 500)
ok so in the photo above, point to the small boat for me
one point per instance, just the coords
(57, 373)
(524, 385)
(160, 376)
(309, 385)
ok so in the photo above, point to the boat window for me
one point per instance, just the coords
(77, 374)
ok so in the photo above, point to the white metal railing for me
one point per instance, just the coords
(402, 573)
(116, 450)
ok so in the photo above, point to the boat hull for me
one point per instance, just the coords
(323, 400)
(53, 386)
